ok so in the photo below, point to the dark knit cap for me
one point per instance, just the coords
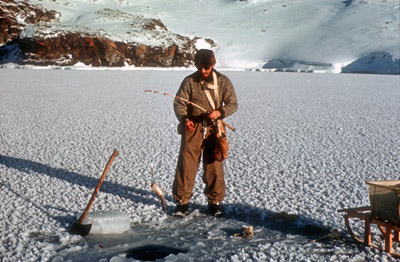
(204, 57)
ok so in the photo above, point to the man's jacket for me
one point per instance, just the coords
(192, 90)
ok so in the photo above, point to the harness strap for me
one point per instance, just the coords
(211, 101)
(216, 93)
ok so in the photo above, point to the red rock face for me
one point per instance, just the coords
(9, 29)
(67, 48)
(10, 9)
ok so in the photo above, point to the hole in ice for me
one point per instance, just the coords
(152, 252)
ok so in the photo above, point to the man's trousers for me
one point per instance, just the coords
(193, 147)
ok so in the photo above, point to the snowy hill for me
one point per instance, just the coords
(286, 35)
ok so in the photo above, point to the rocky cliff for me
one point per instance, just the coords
(27, 36)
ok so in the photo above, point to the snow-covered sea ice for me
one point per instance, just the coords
(304, 145)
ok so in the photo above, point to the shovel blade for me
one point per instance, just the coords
(80, 229)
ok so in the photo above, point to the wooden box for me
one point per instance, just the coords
(384, 197)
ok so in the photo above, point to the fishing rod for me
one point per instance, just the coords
(188, 102)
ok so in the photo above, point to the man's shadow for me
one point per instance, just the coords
(281, 222)
(286, 223)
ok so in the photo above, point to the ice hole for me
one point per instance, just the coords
(152, 252)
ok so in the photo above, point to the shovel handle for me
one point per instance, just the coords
(85, 213)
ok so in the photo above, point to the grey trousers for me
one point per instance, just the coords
(193, 146)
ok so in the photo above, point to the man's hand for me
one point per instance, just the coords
(189, 125)
(214, 114)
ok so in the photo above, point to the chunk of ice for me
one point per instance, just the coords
(108, 222)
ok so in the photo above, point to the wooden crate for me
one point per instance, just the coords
(384, 197)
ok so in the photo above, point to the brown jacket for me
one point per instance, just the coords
(192, 90)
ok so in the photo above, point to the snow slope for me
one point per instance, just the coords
(307, 35)
(304, 145)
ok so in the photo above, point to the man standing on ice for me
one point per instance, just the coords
(214, 92)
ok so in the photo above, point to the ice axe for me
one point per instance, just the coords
(78, 228)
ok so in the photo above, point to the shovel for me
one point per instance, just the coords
(78, 228)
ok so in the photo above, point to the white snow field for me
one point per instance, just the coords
(307, 35)
(304, 146)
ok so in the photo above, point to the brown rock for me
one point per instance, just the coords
(10, 28)
(71, 48)
(68, 48)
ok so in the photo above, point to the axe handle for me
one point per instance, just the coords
(85, 213)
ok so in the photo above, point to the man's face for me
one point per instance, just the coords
(205, 71)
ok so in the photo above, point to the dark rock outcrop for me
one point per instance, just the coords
(70, 48)
(10, 28)
(29, 42)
